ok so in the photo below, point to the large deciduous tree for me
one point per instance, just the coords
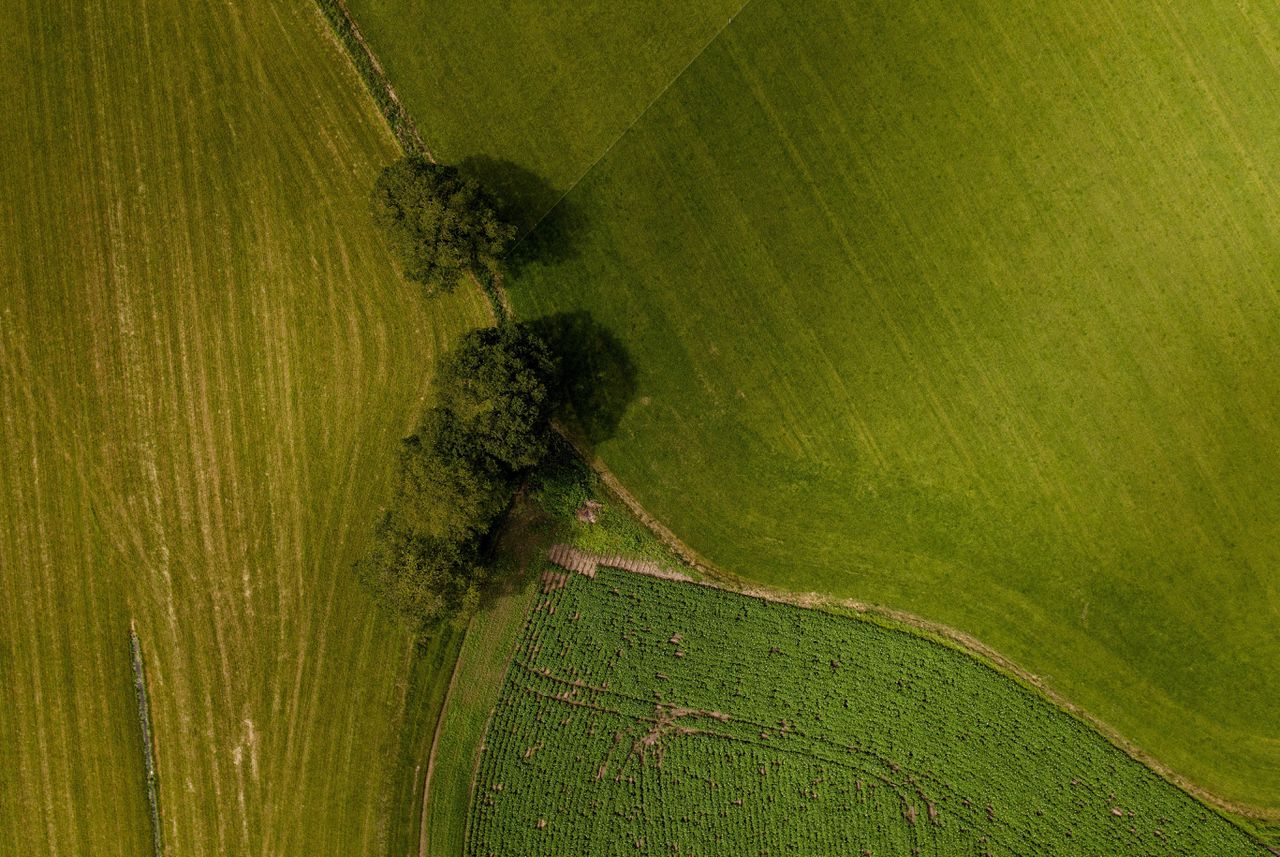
(496, 383)
(458, 473)
(438, 223)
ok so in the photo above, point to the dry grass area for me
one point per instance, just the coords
(206, 360)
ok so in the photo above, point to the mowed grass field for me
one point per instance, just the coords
(482, 663)
(645, 716)
(206, 362)
(970, 310)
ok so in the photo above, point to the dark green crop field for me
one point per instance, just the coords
(643, 716)
(967, 309)
(206, 362)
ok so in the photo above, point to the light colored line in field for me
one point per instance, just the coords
(634, 122)
(148, 750)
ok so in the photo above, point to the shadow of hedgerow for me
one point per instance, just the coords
(596, 377)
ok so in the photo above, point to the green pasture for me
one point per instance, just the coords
(643, 716)
(967, 309)
(206, 362)
(527, 95)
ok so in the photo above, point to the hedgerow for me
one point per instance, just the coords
(375, 80)
(489, 426)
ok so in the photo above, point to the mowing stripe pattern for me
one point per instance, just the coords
(206, 362)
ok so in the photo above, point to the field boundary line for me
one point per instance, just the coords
(669, 539)
(343, 27)
(509, 665)
(941, 634)
(148, 748)
(495, 295)
(435, 743)
(636, 121)
(374, 76)
(484, 736)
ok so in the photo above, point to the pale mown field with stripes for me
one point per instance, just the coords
(969, 309)
(206, 360)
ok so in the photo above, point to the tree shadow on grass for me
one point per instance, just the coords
(548, 223)
(597, 379)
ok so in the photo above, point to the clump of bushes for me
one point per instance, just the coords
(458, 474)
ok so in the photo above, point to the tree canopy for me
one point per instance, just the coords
(438, 223)
(496, 383)
(458, 473)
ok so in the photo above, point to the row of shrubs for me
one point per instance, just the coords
(494, 393)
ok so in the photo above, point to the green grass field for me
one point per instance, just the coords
(968, 310)
(643, 716)
(206, 361)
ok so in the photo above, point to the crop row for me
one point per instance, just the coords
(650, 717)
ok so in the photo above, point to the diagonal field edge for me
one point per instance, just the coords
(625, 131)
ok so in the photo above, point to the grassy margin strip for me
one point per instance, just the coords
(148, 748)
(499, 303)
(488, 721)
(435, 744)
(374, 76)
